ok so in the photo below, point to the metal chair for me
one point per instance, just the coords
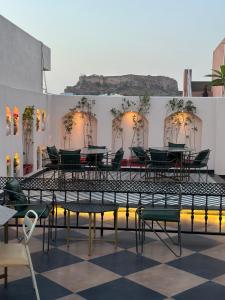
(70, 162)
(163, 209)
(107, 169)
(14, 196)
(160, 164)
(18, 254)
(197, 161)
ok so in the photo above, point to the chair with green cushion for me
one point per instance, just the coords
(92, 159)
(52, 163)
(160, 164)
(160, 210)
(198, 161)
(70, 162)
(108, 169)
(176, 155)
(14, 196)
(141, 155)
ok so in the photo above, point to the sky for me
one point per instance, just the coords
(116, 37)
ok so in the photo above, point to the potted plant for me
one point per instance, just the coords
(218, 77)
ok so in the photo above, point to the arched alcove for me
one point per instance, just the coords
(15, 120)
(8, 120)
(28, 141)
(83, 132)
(183, 128)
(129, 130)
(39, 157)
(43, 120)
(16, 165)
(8, 166)
(38, 120)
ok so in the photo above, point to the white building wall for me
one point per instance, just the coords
(22, 58)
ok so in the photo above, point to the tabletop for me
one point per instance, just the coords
(6, 214)
(94, 151)
(173, 149)
(90, 207)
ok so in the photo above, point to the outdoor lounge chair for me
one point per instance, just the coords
(14, 196)
(70, 162)
(161, 210)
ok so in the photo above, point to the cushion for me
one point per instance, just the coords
(161, 215)
(53, 155)
(139, 152)
(41, 210)
(70, 160)
(201, 157)
(173, 145)
(96, 147)
(16, 194)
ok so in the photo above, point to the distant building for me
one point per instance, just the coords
(195, 88)
(218, 60)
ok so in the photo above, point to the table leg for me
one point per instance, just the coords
(94, 225)
(6, 238)
(68, 229)
(90, 235)
(116, 228)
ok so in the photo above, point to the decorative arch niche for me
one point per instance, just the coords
(8, 166)
(8, 120)
(15, 120)
(28, 140)
(39, 157)
(38, 120)
(83, 130)
(16, 165)
(183, 128)
(43, 120)
(129, 130)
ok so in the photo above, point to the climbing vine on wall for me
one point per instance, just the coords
(180, 124)
(139, 110)
(85, 108)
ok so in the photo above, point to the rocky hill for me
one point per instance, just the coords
(127, 85)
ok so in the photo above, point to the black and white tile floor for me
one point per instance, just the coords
(68, 273)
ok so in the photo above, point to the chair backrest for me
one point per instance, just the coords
(202, 157)
(29, 223)
(53, 154)
(92, 158)
(70, 160)
(116, 162)
(15, 195)
(140, 153)
(158, 156)
(174, 145)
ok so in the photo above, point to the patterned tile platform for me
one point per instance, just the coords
(69, 274)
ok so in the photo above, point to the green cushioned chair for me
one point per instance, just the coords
(141, 155)
(160, 164)
(70, 162)
(52, 162)
(161, 210)
(198, 161)
(14, 196)
(115, 166)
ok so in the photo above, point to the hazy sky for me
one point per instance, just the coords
(114, 37)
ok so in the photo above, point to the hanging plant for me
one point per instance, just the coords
(85, 107)
(140, 109)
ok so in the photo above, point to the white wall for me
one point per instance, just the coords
(209, 110)
(22, 58)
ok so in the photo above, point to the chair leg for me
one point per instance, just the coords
(33, 275)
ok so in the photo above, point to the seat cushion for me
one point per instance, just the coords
(163, 214)
(42, 211)
(15, 194)
(13, 254)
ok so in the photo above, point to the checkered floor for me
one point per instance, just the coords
(68, 273)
